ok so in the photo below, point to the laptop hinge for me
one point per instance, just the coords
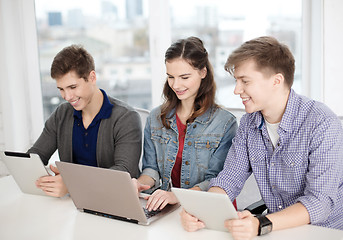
(110, 216)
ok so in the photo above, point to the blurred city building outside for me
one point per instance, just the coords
(116, 33)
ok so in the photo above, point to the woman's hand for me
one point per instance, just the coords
(159, 199)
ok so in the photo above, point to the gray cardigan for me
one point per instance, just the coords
(119, 138)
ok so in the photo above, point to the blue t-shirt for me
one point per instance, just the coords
(85, 140)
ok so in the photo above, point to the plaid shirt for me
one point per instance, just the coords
(306, 165)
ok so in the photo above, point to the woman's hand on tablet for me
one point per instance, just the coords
(189, 222)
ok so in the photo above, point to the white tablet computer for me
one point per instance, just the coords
(211, 208)
(25, 169)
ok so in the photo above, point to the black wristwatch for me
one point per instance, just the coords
(265, 226)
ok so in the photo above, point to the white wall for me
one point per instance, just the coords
(333, 53)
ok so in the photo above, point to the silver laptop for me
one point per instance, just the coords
(211, 208)
(108, 193)
(25, 169)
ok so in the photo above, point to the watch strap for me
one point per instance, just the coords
(265, 224)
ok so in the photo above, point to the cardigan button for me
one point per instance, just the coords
(187, 163)
(187, 182)
(189, 143)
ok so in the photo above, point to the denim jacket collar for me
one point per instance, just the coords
(203, 119)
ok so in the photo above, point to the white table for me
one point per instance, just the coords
(24, 216)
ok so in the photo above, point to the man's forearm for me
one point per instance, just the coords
(293, 216)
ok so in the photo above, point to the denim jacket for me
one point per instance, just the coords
(207, 141)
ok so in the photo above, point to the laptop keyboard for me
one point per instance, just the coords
(150, 214)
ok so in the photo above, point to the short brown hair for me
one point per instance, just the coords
(269, 55)
(72, 58)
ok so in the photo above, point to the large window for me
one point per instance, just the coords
(116, 33)
(224, 25)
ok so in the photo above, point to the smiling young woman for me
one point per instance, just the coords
(187, 138)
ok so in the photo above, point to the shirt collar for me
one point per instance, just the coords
(287, 118)
(287, 121)
(105, 110)
(258, 119)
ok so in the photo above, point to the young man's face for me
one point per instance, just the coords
(254, 87)
(77, 91)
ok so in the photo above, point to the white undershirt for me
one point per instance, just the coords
(272, 132)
